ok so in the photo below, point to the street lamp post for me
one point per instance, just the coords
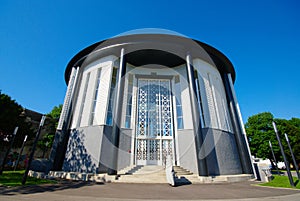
(20, 154)
(33, 149)
(283, 155)
(293, 157)
(8, 150)
(274, 157)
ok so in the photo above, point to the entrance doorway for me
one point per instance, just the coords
(154, 128)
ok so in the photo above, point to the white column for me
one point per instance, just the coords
(201, 158)
(240, 120)
(69, 95)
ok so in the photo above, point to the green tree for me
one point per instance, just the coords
(260, 131)
(53, 118)
(295, 122)
(11, 116)
(50, 128)
(55, 113)
(292, 129)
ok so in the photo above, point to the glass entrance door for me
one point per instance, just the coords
(154, 132)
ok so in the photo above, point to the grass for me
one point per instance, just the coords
(282, 182)
(14, 178)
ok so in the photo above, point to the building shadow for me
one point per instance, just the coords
(32, 189)
(78, 159)
(182, 181)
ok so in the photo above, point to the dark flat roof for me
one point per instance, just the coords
(142, 49)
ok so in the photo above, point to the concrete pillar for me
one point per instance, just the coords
(62, 133)
(117, 115)
(240, 134)
(201, 158)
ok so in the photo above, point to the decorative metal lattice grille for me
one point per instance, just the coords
(155, 123)
(167, 148)
(142, 150)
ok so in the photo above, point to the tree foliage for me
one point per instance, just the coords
(11, 116)
(55, 113)
(53, 117)
(50, 128)
(260, 131)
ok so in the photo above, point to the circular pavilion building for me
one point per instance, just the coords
(137, 99)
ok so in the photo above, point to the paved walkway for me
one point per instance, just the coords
(73, 191)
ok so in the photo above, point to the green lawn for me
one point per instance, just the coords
(282, 181)
(14, 178)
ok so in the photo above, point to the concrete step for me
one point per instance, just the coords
(149, 169)
(141, 169)
(130, 169)
(195, 179)
(141, 179)
(143, 174)
(146, 174)
(179, 171)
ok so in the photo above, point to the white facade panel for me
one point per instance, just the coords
(206, 118)
(185, 99)
(76, 117)
(211, 115)
(105, 64)
(103, 95)
(219, 104)
(124, 104)
(225, 122)
(213, 92)
(134, 103)
(88, 98)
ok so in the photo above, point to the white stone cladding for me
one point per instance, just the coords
(213, 93)
(81, 120)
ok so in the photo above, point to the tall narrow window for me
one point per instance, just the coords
(178, 103)
(83, 99)
(200, 106)
(109, 118)
(94, 102)
(129, 102)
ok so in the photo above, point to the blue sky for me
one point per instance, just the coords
(261, 38)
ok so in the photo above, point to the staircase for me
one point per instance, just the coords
(183, 176)
(153, 174)
(157, 174)
(180, 171)
(142, 174)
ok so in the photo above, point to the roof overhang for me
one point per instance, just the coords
(143, 49)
